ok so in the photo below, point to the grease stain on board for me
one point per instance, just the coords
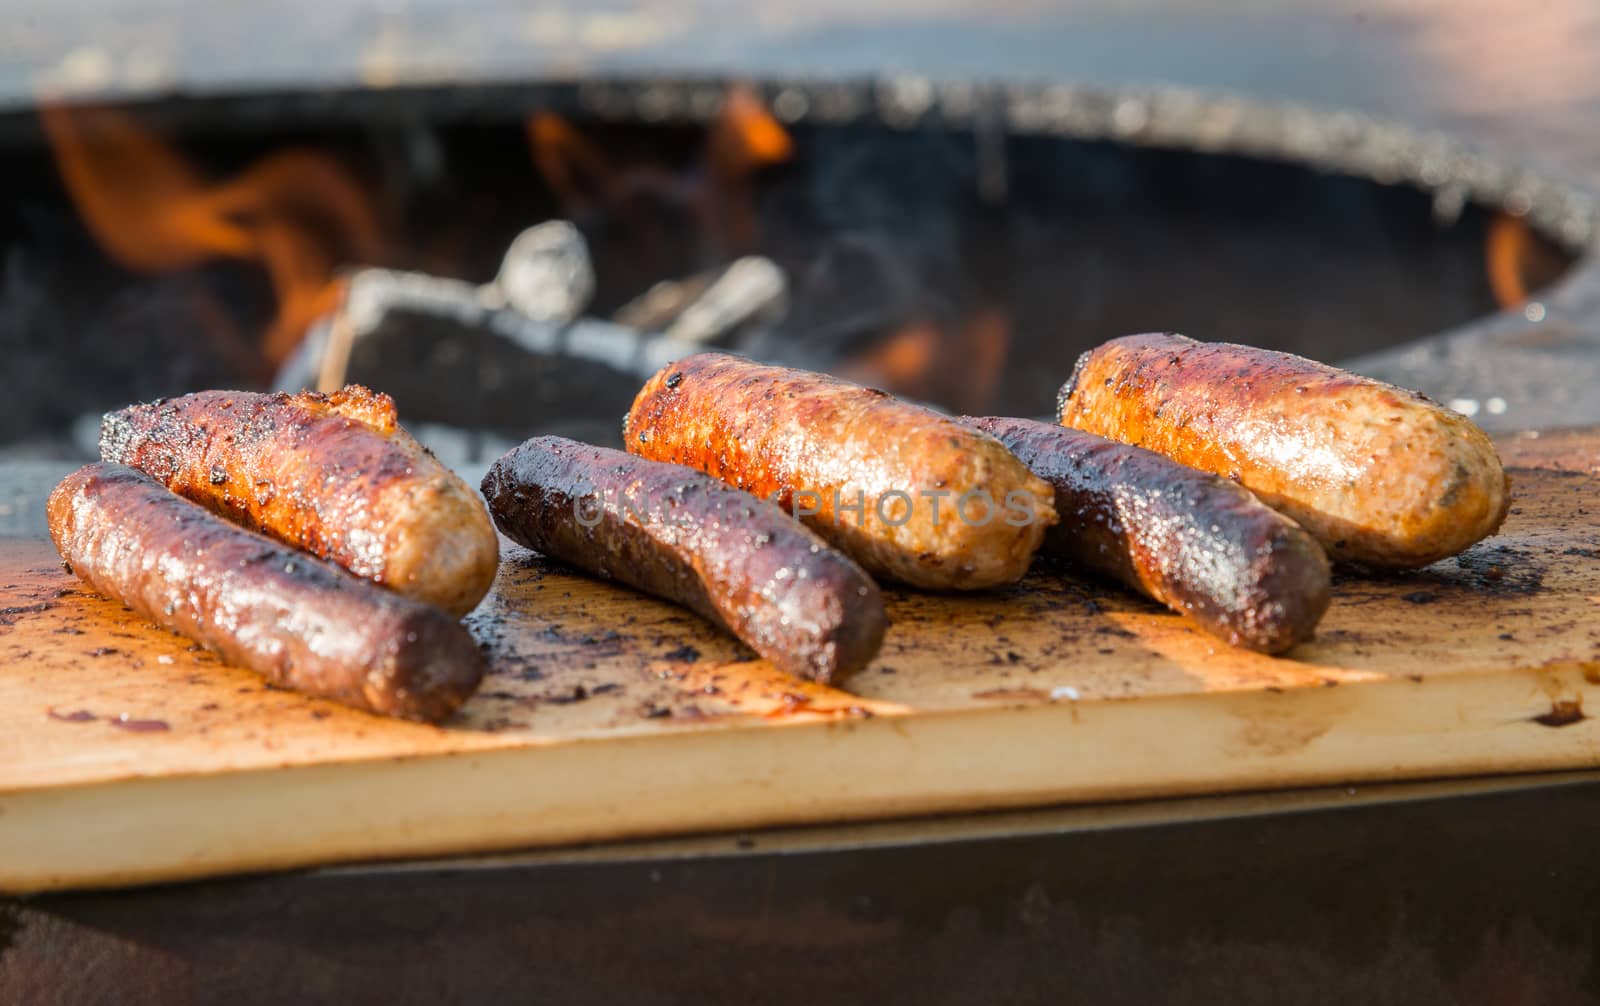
(1563, 713)
(1273, 725)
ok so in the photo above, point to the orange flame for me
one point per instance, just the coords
(1518, 261)
(570, 164)
(959, 367)
(745, 136)
(1505, 248)
(902, 363)
(744, 139)
(293, 212)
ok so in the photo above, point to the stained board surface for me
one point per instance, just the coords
(127, 754)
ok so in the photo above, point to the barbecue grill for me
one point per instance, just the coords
(948, 205)
(958, 243)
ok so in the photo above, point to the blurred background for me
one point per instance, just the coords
(506, 217)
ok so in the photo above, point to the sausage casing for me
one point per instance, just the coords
(671, 531)
(332, 474)
(1194, 541)
(1381, 476)
(911, 495)
(297, 621)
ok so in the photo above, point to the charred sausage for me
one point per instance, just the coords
(332, 474)
(1203, 546)
(297, 621)
(671, 531)
(911, 495)
(1381, 476)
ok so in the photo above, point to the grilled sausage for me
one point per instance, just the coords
(1380, 476)
(668, 530)
(1194, 541)
(332, 474)
(911, 495)
(297, 621)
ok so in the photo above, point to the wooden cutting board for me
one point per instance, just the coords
(128, 756)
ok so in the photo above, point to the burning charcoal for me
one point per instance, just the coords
(546, 274)
(714, 307)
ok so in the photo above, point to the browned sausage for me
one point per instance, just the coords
(332, 474)
(1381, 476)
(298, 621)
(911, 495)
(670, 531)
(1196, 542)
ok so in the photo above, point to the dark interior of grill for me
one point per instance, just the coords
(957, 268)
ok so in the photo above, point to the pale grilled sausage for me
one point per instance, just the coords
(332, 474)
(1381, 476)
(297, 621)
(911, 495)
(673, 532)
(1198, 543)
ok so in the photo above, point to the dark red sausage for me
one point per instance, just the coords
(1196, 542)
(673, 532)
(294, 619)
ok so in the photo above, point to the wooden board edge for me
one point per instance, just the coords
(187, 827)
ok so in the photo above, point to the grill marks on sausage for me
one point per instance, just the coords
(1196, 542)
(332, 474)
(299, 622)
(673, 532)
